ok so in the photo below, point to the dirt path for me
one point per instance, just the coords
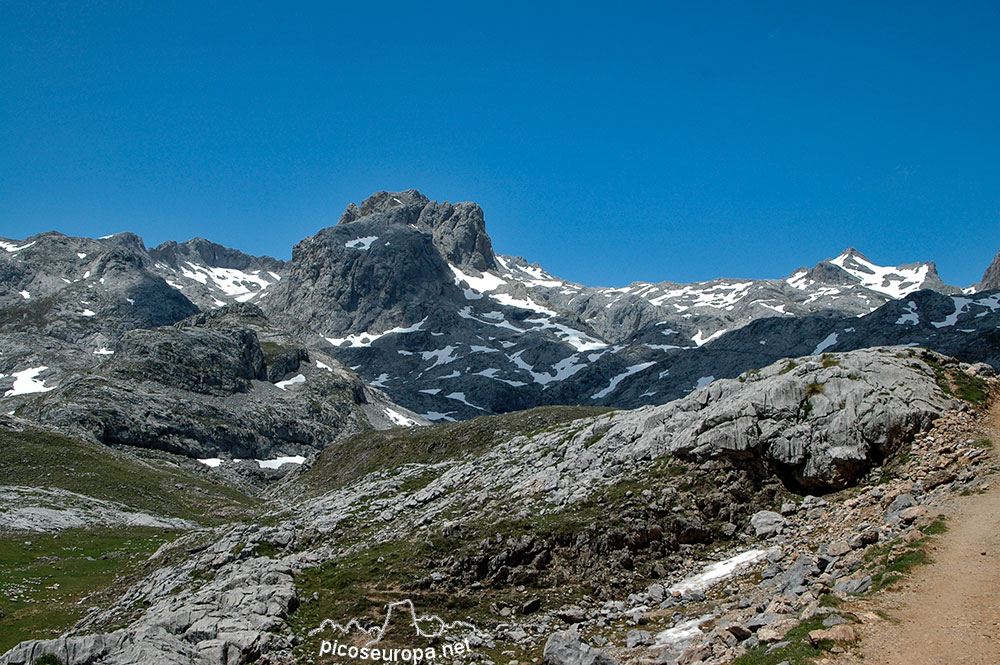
(948, 613)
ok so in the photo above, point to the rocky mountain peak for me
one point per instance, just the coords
(851, 267)
(991, 278)
(410, 201)
(458, 230)
(211, 254)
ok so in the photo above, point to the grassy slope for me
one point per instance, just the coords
(37, 458)
(48, 581)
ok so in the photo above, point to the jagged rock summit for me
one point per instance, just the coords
(458, 230)
(991, 278)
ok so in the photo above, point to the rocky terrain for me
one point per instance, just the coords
(209, 457)
(735, 521)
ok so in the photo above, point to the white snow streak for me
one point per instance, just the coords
(618, 379)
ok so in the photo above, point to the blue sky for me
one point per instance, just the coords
(610, 142)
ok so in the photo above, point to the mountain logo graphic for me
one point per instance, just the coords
(428, 626)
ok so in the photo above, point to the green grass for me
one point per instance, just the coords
(899, 567)
(80, 562)
(798, 652)
(829, 360)
(888, 569)
(984, 443)
(937, 527)
(356, 456)
(420, 481)
(48, 659)
(38, 458)
(789, 366)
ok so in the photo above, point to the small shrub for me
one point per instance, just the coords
(789, 366)
(48, 659)
(814, 389)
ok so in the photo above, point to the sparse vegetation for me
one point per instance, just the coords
(355, 456)
(789, 366)
(48, 659)
(956, 383)
(799, 651)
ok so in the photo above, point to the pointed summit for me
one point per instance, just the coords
(852, 267)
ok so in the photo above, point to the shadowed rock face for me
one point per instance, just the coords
(198, 360)
(385, 265)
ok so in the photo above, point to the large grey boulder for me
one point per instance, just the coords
(767, 523)
(568, 648)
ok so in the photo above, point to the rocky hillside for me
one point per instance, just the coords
(628, 526)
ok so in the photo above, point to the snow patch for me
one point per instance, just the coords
(232, 282)
(298, 378)
(894, 282)
(528, 303)
(278, 461)
(460, 397)
(703, 381)
(398, 418)
(440, 356)
(718, 571)
(361, 243)
(827, 342)
(700, 340)
(436, 415)
(618, 379)
(952, 319)
(681, 635)
(380, 381)
(365, 339)
(909, 317)
(10, 247)
(26, 382)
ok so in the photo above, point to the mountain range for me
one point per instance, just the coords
(402, 314)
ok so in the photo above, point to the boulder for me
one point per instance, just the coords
(568, 648)
(767, 523)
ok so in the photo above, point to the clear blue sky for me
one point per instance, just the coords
(610, 142)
